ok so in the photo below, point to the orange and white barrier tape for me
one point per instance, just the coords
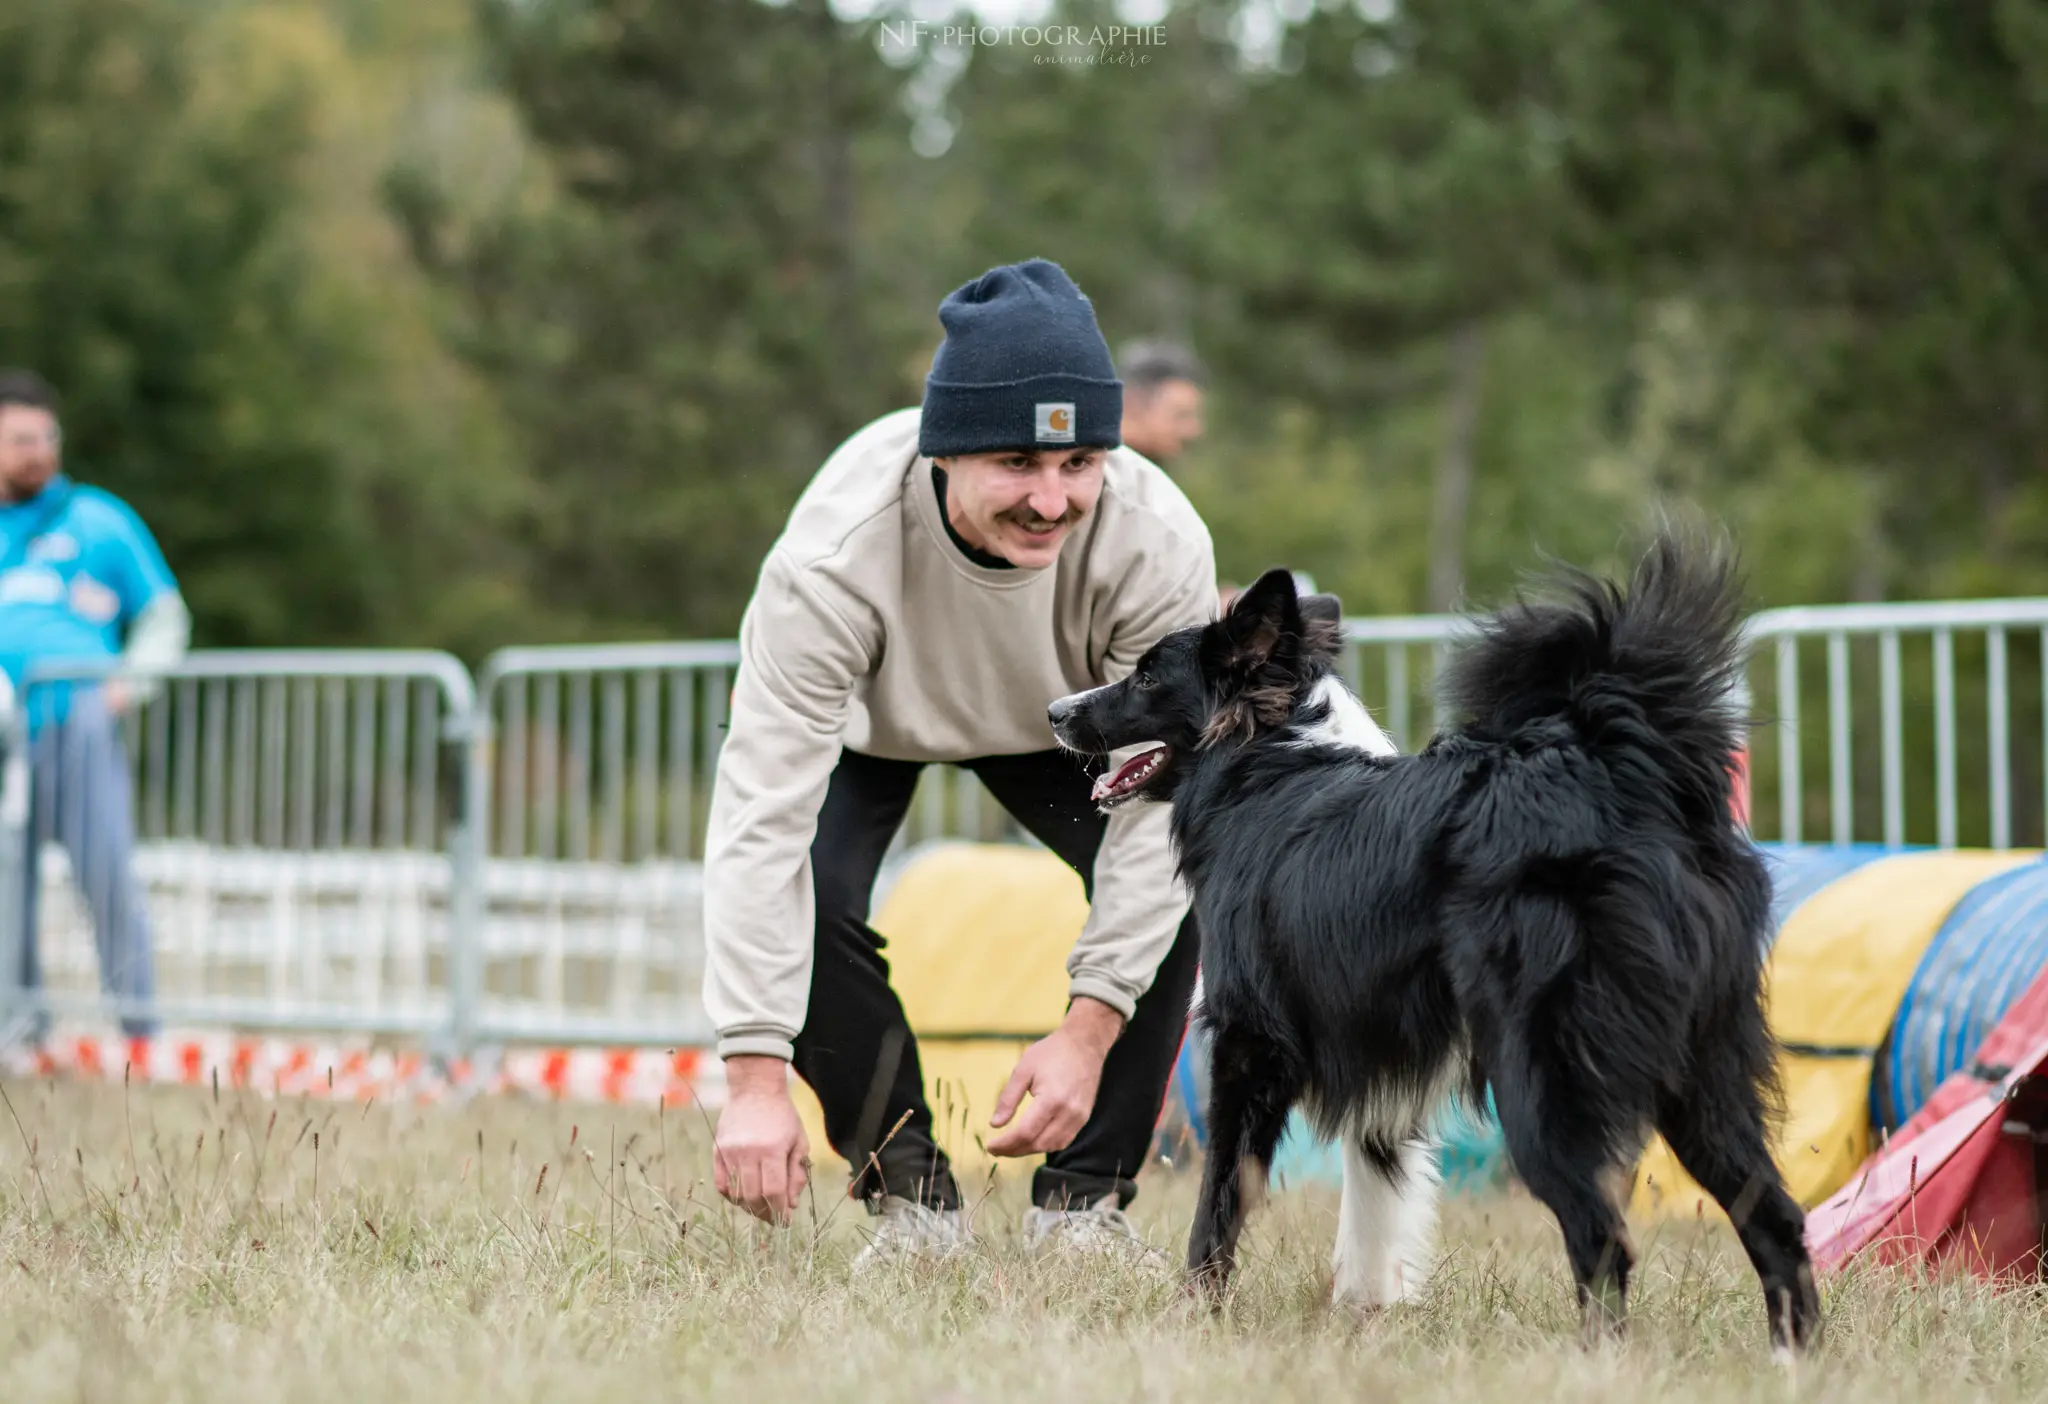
(633, 1076)
(280, 1068)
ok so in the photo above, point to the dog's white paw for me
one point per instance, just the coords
(1376, 1278)
(1378, 1286)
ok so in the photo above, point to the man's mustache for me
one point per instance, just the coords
(1031, 521)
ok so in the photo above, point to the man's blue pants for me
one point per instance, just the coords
(80, 798)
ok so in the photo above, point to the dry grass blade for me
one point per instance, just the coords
(407, 1284)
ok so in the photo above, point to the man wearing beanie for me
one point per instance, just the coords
(950, 571)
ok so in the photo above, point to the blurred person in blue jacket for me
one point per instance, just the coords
(82, 583)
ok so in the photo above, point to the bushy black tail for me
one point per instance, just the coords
(1652, 665)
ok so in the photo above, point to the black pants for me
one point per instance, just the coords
(856, 1049)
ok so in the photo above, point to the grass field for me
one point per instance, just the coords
(165, 1245)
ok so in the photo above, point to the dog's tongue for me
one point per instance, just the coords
(1123, 775)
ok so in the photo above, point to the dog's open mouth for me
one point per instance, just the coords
(1128, 779)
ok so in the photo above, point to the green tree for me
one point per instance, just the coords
(237, 380)
(1862, 184)
(687, 325)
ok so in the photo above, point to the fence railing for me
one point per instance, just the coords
(1916, 708)
(1894, 707)
(268, 838)
(591, 768)
(367, 841)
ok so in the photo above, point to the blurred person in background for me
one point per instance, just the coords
(1163, 392)
(81, 583)
(950, 571)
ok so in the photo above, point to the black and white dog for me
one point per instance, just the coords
(1552, 898)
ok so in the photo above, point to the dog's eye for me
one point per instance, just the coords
(1143, 682)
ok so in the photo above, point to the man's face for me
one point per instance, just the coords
(30, 450)
(1021, 504)
(1163, 422)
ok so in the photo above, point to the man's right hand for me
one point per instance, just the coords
(761, 1158)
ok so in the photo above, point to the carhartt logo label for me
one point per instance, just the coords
(1056, 423)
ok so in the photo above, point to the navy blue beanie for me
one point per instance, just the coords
(1023, 365)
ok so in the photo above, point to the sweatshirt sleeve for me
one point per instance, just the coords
(799, 661)
(157, 641)
(1139, 899)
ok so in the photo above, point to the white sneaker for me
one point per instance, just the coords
(1099, 1228)
(906, 1228)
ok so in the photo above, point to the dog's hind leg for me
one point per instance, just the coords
(1717, 1132)
(1386, 1223)
(1252, 1087)
(1566, 1157)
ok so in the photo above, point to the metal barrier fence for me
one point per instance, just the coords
(364, 841)
(592, 768)
(1889, 704)
(590, 771)
(1897, 764)
(292, 820)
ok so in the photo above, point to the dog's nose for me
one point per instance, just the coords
(1060, 710)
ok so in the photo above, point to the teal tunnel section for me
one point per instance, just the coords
(1470, 1153)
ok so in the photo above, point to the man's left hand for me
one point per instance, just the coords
(1061, 1072)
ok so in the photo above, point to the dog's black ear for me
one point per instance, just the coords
(1322, 625)
(1252, 657)
(1261, 615)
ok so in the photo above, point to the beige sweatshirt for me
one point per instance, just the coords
(870, 630)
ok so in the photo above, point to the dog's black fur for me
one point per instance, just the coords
(1552, 897)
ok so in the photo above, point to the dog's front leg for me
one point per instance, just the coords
(1386, 1221)
(1251, 1090)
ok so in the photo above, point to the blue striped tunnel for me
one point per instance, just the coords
(1991, 948)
